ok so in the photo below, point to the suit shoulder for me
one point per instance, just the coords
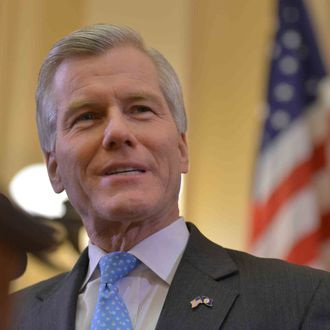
(30, 291)
(269, 268)
(249, 266)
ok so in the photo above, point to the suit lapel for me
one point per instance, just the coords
(205, 270)
(56, 307)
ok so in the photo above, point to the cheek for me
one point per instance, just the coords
(71, 162)
(72, 169)
(169, 159)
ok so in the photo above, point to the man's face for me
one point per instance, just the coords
(118, 153)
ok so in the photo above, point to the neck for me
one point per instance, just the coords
(122, 236)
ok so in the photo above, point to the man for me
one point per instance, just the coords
(112, 127)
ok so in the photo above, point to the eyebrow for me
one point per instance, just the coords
(142, 96)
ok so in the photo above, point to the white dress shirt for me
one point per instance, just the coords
(144, 290)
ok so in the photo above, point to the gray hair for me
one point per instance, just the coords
(90, 41)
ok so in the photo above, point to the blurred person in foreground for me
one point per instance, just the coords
(19, 234)
(112, 127)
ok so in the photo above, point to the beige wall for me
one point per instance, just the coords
(219, 49)
(229, 49)
(27, 30)
(164, 25)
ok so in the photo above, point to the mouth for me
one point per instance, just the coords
(124, 171)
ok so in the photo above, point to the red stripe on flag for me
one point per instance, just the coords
(263, 214)
(307, 249)
(325, 226)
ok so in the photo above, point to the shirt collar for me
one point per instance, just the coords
(160, 252)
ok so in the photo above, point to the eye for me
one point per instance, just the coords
(85, 117)
(139, 109)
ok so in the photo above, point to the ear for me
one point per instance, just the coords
(183, 150)
(53, 172)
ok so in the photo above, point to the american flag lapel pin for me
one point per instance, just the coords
(207, 301)
(201, 300)
(195, 302)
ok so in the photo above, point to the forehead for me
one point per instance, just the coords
(118, 65)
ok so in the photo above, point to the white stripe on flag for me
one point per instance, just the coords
(298, 217)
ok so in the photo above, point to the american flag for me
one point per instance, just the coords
(291, 195)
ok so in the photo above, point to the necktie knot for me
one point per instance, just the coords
(116, 265)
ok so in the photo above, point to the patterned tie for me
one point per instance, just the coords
(110, 311)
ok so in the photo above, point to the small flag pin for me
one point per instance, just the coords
(201, 300)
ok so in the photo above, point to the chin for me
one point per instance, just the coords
(129, 210)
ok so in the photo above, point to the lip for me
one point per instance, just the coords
(122, 168)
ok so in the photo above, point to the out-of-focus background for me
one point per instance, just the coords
(220, 49)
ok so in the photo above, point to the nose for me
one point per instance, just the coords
(118, 132)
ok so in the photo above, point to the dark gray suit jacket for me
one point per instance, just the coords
(247, 293)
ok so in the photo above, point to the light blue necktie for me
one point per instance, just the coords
(110, 311)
